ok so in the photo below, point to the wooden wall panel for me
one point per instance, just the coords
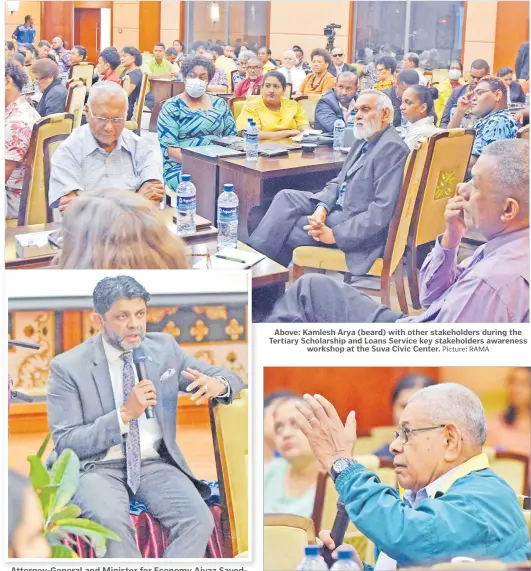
(367, 390)
(57, 19)
(149, 34)
(512, 30)
(71, 329)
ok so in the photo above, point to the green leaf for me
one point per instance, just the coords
(38, 474)
(63, 552)
(82, 526)
(69, 511)
(43, 445)
(65, 472)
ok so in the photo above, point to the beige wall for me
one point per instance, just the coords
(17, 18)
(126, 24)
(480, 32)
(170, 15)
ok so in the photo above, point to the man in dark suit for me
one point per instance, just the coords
(515, 93)
(96, 407)
(479, 69)
(338, 103)
(405, 79)
(522, 62)
(354, 210)
(338, 63)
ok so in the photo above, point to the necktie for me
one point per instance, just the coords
(289, 77)
(132, 443)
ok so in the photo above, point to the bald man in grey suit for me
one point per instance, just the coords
(96, 407)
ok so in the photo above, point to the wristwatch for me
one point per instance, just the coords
(339, 466)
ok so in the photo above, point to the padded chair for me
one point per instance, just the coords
(446, 164)
(383, 434)
(439, 75)
(514, 469)
(236, 105)
(230, 432)
(75, 101)
(285, 537)
(49, 147)
(309, 103)
(523, 133)
(390, 267)
(288, 92)
(34, 207)
(83, 71)
(135, 123)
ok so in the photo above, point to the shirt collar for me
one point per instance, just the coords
(503, 239)
(428, 491)
(111, 353)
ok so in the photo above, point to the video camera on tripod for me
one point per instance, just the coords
(17, 394)
(330, 33)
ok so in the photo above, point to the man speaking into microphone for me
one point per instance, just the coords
(99, 406)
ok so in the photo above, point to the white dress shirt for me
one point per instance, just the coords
(422, 79)
(150, 432)
(294, 76)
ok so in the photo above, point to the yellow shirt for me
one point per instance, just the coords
(445, 90)
(269, 66)
(310, 85)
(384, 84)
(290, 116)
(228, 66)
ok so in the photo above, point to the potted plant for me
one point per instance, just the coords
(55, 488)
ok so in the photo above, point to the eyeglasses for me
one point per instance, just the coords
(255, 67)
(337, 55)
(104, 120)
(403, 433)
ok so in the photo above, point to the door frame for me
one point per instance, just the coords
(98, 5)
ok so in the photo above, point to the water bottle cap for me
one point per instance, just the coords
(311, 550)
(249, 120)
(344, 553)
(228, 188)
(186, 177)
(253, 123)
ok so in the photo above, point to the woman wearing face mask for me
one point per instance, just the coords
(417, 110)
(445, 88)
(276, 117)
(192, 118)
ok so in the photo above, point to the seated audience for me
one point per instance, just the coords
(320, 81)
(488, 102)
(411, 61)
(354, 210)
(108, 61)
(453, 505)
(522, 117)
(43, 51)
(515, 93)
(192, 118)
(25, 521)
(102, 154)
(9, 49)
(179, 47)
(417, 110)
(509, 432)
(276, 116)
(446, 87)
(159, 66)
(385, 67)
(406, 78)
(270, 403)
(491, 286)
(54, 93)
(243, 60)
(521, 65)
(20, 117)
(226, 62)
(78, 54)
(61, 55)
(404, 389)
(478, 70)
(290, 72)
(301, 64)
(29, 52)
(137, 239)
(131, 59)
(338, 63)
(264, 54)
(370, 75)
(290, 480)
(171, 56)
(338, 103)
(220, 82)
(251, 85)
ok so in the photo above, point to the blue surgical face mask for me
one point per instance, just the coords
(195, 87)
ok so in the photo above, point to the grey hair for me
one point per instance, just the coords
(382, 101)
(246, 55)
(106, 90)
(112, 289)
(290, 52)
(450, 402)
(511, 175)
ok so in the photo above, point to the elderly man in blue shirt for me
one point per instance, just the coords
(454, 504)
(104, 155)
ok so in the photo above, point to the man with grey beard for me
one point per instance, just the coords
(354, 210)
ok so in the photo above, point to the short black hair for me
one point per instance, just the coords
(44, 43)
(16, 74)
(18, 57)
(426, 95)
(199, 44)
(506, 70)
(10, 45)
(266, 49)
(29, 47)
(323, 53)
(109, 290)
(495, 83)
(217, 49)
(277, 75)
(409, 77)
(413, 58)
(82, 52)
(388, 62)
(197, 61)
(135, 52)
(286, 393)
(480, 64)
(180, 43)
(171, 52)
(159, 45)
(460, 64)
(26, 18)
(111, 56)
(409, 382)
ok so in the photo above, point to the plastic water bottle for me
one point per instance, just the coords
(339, 134)
(186, 206)
(312, 560)
(251, 142)
(228, 218)
(345, 560)
(351, 121)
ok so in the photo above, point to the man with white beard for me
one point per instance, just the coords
(354, 210)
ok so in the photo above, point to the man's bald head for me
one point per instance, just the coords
(289, 58)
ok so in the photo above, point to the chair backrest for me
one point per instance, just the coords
(285, 537)
(448, 157)
(288, 92)
(383, 434)
(75, 101)
(236, 105)
(230, 432)
(514, 469)
(309, 103)
(233, 75)
(523, 133)
(83, 71)
(126, 83)
(439, 75)
(49, 147)
(34, 207)
(139, 105)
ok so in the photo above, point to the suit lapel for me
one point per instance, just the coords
(153, 372)
(102, 377)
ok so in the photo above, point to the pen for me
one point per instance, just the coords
(230, 259)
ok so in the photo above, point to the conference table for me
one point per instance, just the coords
(256, 183)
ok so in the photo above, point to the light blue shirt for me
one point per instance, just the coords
(79, 163)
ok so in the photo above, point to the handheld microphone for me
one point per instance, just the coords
(139, 359)
(21, 396)
(25, 344)
(339, 529)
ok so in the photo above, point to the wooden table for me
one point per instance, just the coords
(162, 89)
